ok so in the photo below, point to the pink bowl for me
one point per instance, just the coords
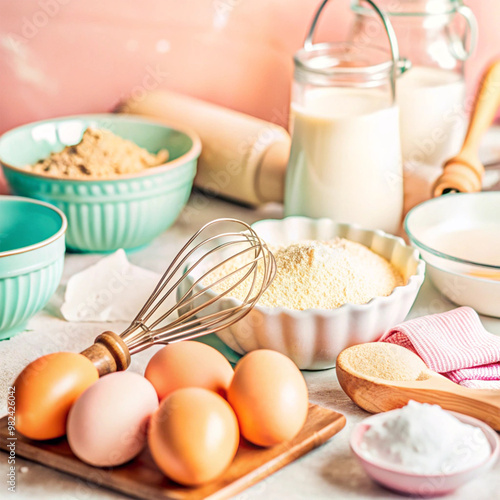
(410, 483)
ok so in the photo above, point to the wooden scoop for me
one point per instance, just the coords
(380, 377)
(464, 172)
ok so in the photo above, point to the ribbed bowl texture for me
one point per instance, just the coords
(31, 259)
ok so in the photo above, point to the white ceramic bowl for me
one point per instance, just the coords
(455, 265)
(314, 338)
(418, 484)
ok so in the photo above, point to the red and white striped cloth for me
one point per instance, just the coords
(454, 344)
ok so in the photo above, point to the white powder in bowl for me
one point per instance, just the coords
(425, 439)
(319, 275)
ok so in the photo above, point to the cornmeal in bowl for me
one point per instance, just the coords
(319, 275)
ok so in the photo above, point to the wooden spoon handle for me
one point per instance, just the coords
(378, 396)
(485, 108)
(462, 401)
(109, 353)
(464, 172)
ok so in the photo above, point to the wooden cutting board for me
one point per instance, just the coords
(142, 479)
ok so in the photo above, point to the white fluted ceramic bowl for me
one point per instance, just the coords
(314, 338)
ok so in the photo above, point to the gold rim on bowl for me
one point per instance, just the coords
(45, 242)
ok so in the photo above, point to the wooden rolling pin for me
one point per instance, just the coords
(464, 172)
(243, 158)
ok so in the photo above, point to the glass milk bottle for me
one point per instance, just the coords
(431, 95)
(345, 160)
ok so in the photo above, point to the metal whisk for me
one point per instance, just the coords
(199, 308)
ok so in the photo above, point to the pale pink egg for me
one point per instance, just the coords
(107, 425)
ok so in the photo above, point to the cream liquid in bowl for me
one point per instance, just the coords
(481, 245)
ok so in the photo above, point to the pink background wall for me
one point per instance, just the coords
(59, 57)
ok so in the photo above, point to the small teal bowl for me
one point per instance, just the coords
(105, 215)
(31, 259)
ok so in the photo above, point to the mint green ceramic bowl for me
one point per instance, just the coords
(104, 215)
(31, 259)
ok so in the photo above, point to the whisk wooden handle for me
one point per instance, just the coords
(109, 353)
(464, 172)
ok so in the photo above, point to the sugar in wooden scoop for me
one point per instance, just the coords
(321, 275)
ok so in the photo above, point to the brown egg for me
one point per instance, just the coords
(189, 364)
(269, 396)
(45, 391)
(193, 436)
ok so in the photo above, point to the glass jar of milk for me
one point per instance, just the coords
(345, 160)
(431, 96)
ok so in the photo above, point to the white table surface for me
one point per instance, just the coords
(330, 471)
